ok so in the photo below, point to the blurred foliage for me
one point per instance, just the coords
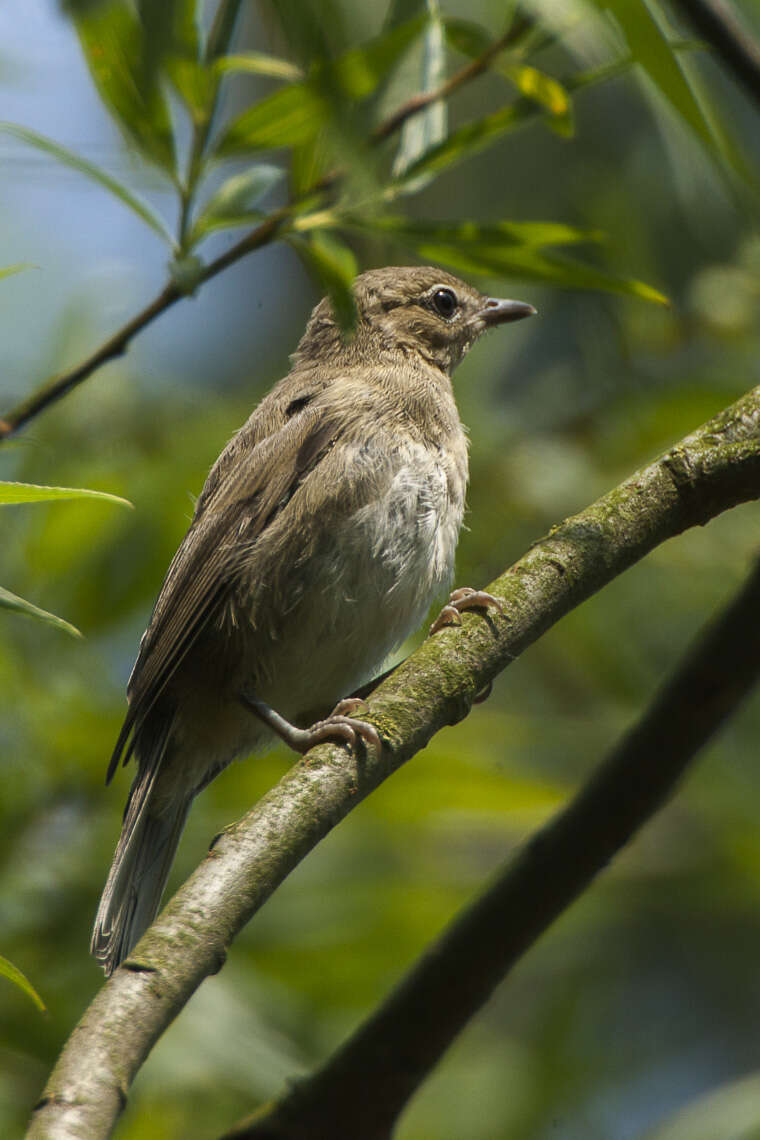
(604, 118)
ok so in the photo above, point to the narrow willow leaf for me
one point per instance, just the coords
(290, 117)
(13, 974)
(235, 202)
(334, 266)
(191, 78)
(296, 114)
(358, 73)
(9, 270)
(475, 137)
(423, 131)
(257, 63)
(532, 264)
(651, 49)
(222, 29)
(535, 84)
(95, 173)
(512, 249)
(494, 235)
(32, 493)
(12, 602)
(118, 54)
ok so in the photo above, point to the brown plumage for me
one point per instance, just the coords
(325, 530)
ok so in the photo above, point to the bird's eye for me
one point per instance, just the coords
(445, 303)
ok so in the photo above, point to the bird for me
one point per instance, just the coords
(324, 532)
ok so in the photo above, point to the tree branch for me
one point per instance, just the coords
(710, 471)
(719, 23)
(521, 24)
(365, 1085)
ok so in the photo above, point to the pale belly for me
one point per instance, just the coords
(386, 566)
(351, 603)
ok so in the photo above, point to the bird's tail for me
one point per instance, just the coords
(140, 868)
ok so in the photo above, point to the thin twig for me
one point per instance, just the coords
(116, 345)
(364, 1086)
(466, 74)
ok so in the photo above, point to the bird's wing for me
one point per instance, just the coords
(255, 485)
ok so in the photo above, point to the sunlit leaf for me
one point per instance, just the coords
(118, 55)
(32, 493)
(95, 173)
(257, 63)
(535, 84)
(428, 128)
(494, 234)
(295, 115)
(14, 975)
(235, 202)
(12, 602)
(9, 270)
(513, 250)
(334, 266)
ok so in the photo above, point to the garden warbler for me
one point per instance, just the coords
(324, 532)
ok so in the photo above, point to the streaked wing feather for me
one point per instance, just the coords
(255, 487)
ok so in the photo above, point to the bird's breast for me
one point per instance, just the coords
(370, 580)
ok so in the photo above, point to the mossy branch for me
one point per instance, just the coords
(363, 1088)
(710, 471)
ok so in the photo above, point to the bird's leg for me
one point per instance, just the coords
(337, 726)
(463, 599)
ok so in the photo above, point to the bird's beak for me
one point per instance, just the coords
(498, 311)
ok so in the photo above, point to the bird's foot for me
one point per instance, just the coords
(463, 599)
(337, 726)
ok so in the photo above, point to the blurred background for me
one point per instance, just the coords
(646, 995)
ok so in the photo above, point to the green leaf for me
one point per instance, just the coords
(32, 493)
(474, 137)
(9, 270)
(652, 50)
(257, 63)
(118, 54)
(470, 39)
(12, 602)
(535, 84)
(358, 73)
(512, 249)
(184, 66)
(76, 162)
(334, 266)
(13, 974)
(235, 202)
(294, 115)
(290, 117)
(428, 128)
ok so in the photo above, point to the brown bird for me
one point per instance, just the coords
(325, 530)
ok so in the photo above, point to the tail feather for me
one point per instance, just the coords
(140, 868)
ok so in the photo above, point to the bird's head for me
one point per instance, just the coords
(416, 311)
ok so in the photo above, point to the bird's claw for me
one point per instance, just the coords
(337, 726)
(465, 598)
(341, 727)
